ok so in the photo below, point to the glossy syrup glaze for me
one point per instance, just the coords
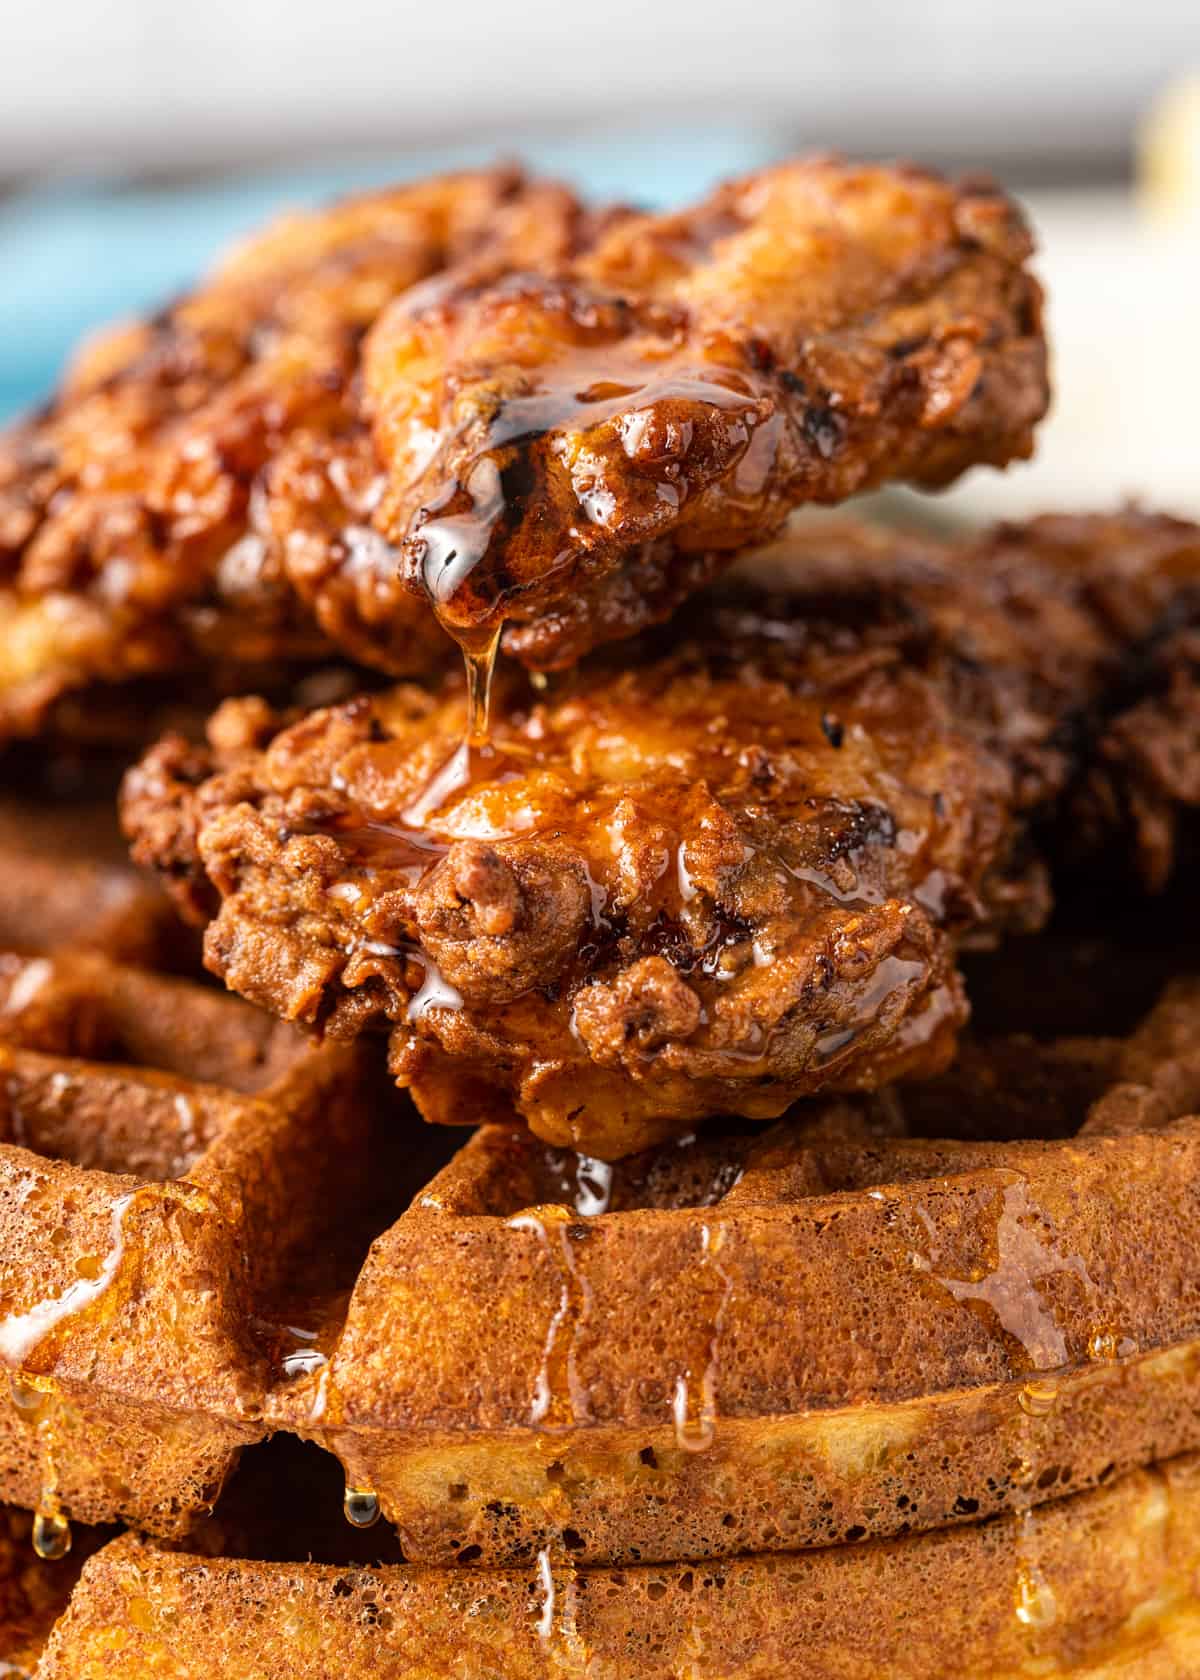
(660, 883)
(684, 381)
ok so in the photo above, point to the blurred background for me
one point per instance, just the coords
(138, 135)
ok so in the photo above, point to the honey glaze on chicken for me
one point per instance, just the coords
(714, 875)
(666, 393)
(707, 880)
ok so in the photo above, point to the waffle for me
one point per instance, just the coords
(66, 881)
(33, 1593)
(166, 1154)
(1100, 1584)
(770, 1340)
(530, 1350)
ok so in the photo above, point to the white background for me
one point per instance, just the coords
(165, 81)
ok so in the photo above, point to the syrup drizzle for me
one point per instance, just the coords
(34, 1398)
(555, 1608)
(545, 1624)
(435, 991)
(1008, 1288)
(559, 1398)
(694, 1397)
(464, 535)
(1023, 1258)
(891, 974)
(479, 660)
(1034, 1603)
(21, 1332)
(35, 1401)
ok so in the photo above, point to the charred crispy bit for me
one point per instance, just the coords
(668, 394)
(710, 878)
(172, 504)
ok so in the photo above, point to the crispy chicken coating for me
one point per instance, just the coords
(679, 385)
(706, 877)
(166, 509)
(564, 419)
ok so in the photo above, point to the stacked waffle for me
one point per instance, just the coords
(770, 1320)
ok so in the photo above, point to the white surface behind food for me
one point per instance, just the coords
(1123, 287)
(161, 81)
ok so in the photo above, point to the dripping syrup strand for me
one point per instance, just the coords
(35, 1403)
(479, 662)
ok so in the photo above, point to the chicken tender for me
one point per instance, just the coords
(708, 877)
(164, 511)
(679, 385)
(559, 419)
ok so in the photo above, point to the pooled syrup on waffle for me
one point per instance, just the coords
(1020, 1259)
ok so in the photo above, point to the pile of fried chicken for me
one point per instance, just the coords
(743, 787)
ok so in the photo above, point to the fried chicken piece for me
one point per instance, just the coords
(666, 397)
(166, 510)
(706, 878)
(244, 479)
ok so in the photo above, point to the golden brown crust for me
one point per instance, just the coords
(802, 334)
(211, 484)
(1093, 1587)
(164, 510)
(528, 1350)
(706, 879)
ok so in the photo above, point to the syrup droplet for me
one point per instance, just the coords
(1038, 1397)
(30, 1402)
(361, 1507)
(1034, 1600)
(1106, 1345)
(51, 1535)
